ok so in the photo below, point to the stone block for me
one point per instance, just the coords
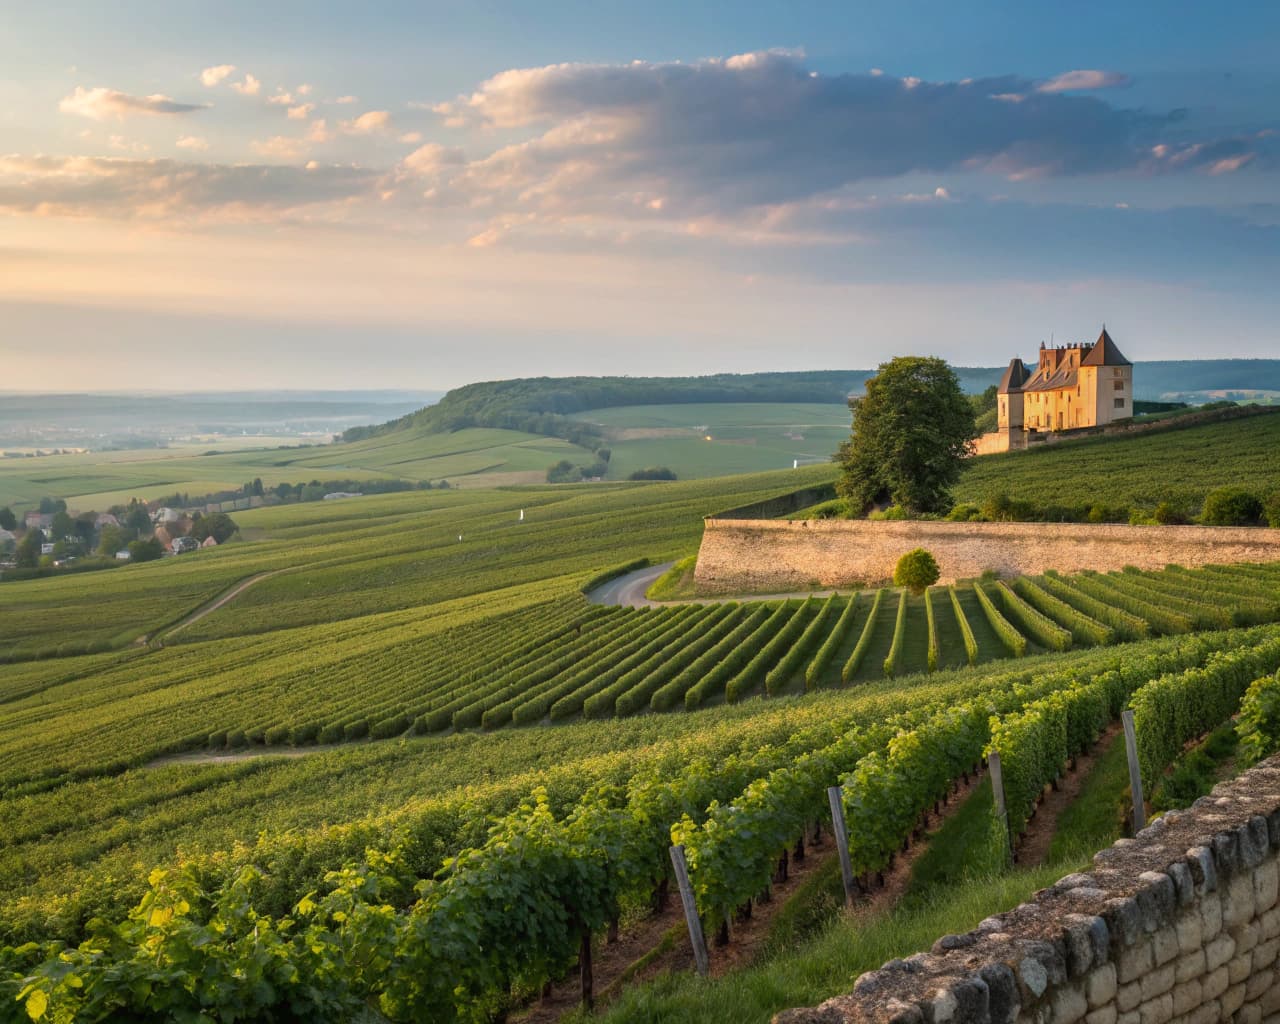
(1239, 967)
(1102, 1015)
(972, 1000)
(1186, 997)
(1190, 965)
(1156, 899)
(1264, 954)
(1156, 983)
(1259, 983)
(1232, 999)
(1215, 983)
(1129, 997)
(1226, 854)
(1100, 986)
(1204, 873)
(1164, 945)
(1273, 829)
(1003, 996)
(1189, 932)
(1254, 842)
(1237, 901)
(1246, 936)
(1134, 962)
(1248, 1014)
(1219, 951)
(1269, 922)
(1132, 1017)
(1087, 941)
(1269, 1001)
(1158, 1011)
(1210, 916)
(1123, 919)
(1207, 1013)
(1069, 1004)
(1184, 885)
(1266, 885)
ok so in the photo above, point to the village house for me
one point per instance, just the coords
(1072, 387)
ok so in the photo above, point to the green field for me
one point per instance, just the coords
(459, 697)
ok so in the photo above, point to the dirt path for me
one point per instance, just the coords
(1033, 848)
(660, 944)
(235, 756)
(212, 606)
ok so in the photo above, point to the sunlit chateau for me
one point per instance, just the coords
(1072, 387)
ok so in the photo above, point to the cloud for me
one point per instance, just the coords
(319, 131)
(281, 99)
(411, 138)
(303, 90)
(282, 147)
(301, 112)
(433, 157)
(212, 76)
(347, 100)
(249, 87)
(168, 189)
(716, 136)
(193, 142)
(1084, 79)
(369, 123)
(102, 104)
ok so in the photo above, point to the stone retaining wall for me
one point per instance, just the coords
(742, 555)
(1178, 926)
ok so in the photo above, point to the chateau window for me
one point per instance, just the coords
(1119, 385)
(1119, 403)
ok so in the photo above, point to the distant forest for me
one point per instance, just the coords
(544, 405)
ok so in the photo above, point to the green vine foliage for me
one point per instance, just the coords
(1259, 723)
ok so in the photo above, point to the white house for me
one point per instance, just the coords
(165, 515)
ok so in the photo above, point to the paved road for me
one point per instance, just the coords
(628, 591)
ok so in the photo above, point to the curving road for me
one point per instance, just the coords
(628, 591)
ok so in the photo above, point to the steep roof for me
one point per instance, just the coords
(1051, 380)
(1014, 377)
(1105, 353)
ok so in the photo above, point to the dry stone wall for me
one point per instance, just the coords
(743, 555)
(1178, 926)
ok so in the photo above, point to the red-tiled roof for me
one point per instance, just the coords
(1105, 353)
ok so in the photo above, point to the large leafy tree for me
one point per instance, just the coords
(911, 434)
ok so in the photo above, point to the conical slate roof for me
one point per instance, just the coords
(1014, 377)
(1105, 353)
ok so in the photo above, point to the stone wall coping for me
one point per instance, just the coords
(1083, 922)
(909, 527)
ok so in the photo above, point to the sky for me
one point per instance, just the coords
(419, 195)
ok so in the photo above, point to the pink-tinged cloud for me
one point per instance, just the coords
(103, 104)
(369, 123)
(212, 76)
(1085, 78)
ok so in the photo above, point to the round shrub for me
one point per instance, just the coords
(916, 570)
(1271, 508)
(1231, 506)
(1166, 514)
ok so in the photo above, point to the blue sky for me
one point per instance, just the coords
(416, 194)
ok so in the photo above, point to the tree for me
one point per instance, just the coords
(563, 472)
(62, 526)
(145, 550)
(653, 473)
(112, 539)
(916, 570)
(28, 553)
(49, 505)
(218, 525)
(911, 435)
(8, 520)
(138, 519)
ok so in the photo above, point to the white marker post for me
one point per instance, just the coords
(691, 917)
(1135, 772)
(522, 515)
(835, 794)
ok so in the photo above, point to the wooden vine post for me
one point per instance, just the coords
(584, 963)
(997, 789)
(835, 794)
(696, 938)
(1135, 772)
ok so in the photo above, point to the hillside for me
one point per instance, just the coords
(1139, 471)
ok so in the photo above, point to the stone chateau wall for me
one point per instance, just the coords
(1178, 926)
(745, 555)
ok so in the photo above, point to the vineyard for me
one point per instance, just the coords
(448, 924)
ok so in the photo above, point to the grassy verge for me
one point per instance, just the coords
(1198, 770)
(1097, 816)
(676, 583)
